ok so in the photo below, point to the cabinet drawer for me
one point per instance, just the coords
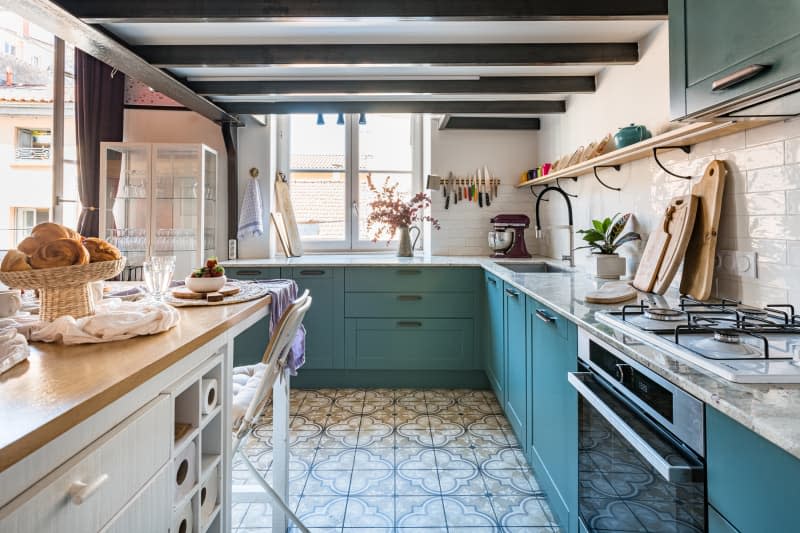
(150, 511)
(439, 279)
(410, 304)
(253, 273)
(410, 344)
(308, 273)
(550, 318)
(129, 455)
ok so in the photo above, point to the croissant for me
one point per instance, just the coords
(100, 250)
(60, 253)
(15, 261)
(44, 233)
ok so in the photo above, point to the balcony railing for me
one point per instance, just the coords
(32, 154)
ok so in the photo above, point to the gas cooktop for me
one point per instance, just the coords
(737, 342)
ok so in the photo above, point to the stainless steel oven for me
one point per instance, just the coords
(641, 450)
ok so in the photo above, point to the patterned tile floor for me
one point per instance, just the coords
(400, 461)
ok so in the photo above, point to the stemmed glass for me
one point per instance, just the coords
(158, 272)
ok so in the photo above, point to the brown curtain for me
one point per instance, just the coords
(99, 108)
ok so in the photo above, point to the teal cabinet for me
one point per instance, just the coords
(494, 335)
(324, 321)
(711, 40)
(410, 304)
(752, 483)
(718, 524)
(249, 345)
(411, 279)
(554, 453)
(516, 362)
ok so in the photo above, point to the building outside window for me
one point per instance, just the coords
(33, 144)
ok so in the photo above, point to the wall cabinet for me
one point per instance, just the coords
(517, 361)
(494, 335)
(712, 40)
(752, 483)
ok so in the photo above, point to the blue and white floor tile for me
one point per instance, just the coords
(399, 461)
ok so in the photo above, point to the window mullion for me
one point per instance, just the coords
(351, 123)
(57, 139)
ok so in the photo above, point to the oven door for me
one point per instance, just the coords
(632, 475)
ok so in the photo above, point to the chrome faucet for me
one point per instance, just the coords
(571, 256)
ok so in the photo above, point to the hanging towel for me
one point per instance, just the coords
(251, 220)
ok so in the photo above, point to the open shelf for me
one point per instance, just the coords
(687, 135)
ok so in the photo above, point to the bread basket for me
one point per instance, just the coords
(64, 290)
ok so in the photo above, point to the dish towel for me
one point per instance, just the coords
(13, 348)
(114, 320)
(251, 220)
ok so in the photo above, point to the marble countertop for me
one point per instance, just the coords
(772, 411)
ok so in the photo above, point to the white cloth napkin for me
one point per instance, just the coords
(114, 320)
(251, 219)
(13, 348)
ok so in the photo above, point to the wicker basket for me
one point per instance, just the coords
(64, 290)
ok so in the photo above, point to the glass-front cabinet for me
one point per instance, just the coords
(159, 199)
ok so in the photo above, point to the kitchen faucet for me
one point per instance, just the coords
(571, 256)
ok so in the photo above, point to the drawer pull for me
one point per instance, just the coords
(492, 281)
(409, 324)
(544, 316)
(735, 78)
(512, 293)
(248, 273)
(409, 272)
(312, 272)
(80, 492)
(409, 297)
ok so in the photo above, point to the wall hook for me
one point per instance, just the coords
(684, 149)
(558, 184)
(604, 184)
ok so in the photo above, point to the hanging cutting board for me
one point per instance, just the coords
(280, 229)
(681, 224)
(653, 254)
(698, 267)
(283, 204)
(611, 293)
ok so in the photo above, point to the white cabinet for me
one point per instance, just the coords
(159, 199)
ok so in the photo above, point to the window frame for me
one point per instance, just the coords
(352, 242)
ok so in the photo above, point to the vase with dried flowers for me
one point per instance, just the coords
(390, 214)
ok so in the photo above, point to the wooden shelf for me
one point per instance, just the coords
(687, 135)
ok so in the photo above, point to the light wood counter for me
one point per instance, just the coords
(60, 386)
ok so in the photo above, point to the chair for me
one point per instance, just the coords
(253, 385)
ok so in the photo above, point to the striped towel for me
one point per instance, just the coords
(251, 220)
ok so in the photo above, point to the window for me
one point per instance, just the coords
(33, 144)
(25, 220)
(329, 165)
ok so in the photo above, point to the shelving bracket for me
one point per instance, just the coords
(536, 195)
(604, 184)
(684, 149)
(558, 184)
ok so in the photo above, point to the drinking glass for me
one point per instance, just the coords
(158, 272)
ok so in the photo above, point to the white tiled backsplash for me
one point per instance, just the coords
(761, 208)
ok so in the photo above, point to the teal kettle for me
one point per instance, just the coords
(631, 135)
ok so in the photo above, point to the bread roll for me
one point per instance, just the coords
(60, 253)
(44, 233)
(15, 261)
(100, 250)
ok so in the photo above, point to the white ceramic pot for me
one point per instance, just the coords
(205, 284)
(10, 302)
(607, 266)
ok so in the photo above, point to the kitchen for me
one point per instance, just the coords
(480, 384)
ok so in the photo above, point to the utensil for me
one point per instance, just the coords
(698, 266)
(158, 272)
(684, 210)
(631, 135)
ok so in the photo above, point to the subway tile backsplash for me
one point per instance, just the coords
(760, 213)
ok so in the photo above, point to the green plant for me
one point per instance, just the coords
(606, 235)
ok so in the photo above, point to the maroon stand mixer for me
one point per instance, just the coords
(508, 237)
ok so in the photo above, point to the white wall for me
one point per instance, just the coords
(254, 142)
(507, 154)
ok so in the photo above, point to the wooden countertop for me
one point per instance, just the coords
(60, 386)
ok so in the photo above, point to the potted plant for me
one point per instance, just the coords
(603, 239)
(390, 214)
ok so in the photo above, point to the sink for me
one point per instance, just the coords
(533, 268)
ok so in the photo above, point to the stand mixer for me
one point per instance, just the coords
(508, 237)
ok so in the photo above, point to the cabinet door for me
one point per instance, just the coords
(494, 324)
(555, 411)
(516, 361)
(249, 345)
(324, 321)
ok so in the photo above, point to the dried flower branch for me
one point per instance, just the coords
(389, 211)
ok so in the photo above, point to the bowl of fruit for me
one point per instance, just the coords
(209, 278)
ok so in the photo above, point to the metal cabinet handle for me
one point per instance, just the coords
(544, 316)
(735, 78)
(312, 272)
(79, 491)
(409, 272)
(248, 273)
(409, 297)
(512, 293)
(661, 464)
(492, 281)
(409, 324)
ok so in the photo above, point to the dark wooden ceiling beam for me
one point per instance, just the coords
(516, 107)
(193, 10)
(449, 122)
(519, 54)
(484, 85)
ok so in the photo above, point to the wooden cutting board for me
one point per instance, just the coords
(185, 294)
(611, 293)
(653, 254)
(283, 204)
(681, 224)
(698, 266)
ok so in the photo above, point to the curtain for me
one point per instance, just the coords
(99, 108)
